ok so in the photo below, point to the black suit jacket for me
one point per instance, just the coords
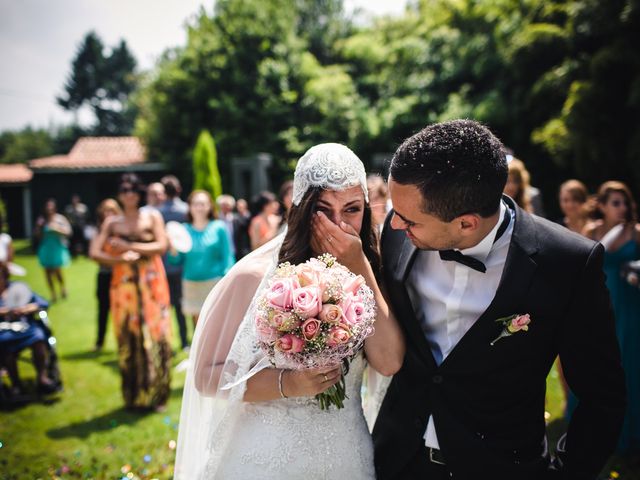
(488, 401)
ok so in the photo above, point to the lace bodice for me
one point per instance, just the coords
(295, 439)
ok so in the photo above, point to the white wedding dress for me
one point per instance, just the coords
(295, 439)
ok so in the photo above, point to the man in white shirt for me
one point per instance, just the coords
(488, 296)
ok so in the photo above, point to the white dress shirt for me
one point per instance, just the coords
(448, 297)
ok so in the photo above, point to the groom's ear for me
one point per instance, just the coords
(468, 224)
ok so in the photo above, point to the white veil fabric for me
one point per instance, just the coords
(224, 351)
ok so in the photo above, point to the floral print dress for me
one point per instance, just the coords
(140, 310)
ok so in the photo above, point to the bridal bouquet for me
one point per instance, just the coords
(312, 315)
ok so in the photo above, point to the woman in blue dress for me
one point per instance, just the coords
(210, 256)
(52, 230)
(617, 207)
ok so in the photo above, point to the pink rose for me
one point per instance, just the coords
(289, 343)
(306, 301)
(280, 295)
(338, 335)
(307, 275)
(311, 328)
(284, 322)
(353, 284)
(521, 322)
(352, 308)
(265, 332)
(330, 313)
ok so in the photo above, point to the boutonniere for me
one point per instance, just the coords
(513, 324)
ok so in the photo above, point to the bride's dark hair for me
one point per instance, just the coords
(296, 247)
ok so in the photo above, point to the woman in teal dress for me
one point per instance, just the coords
(52, 230)
(210, 257)
(617, 207)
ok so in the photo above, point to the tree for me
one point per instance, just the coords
(246, 74)
(205, 166)
(594, 133)
(24, 145)
(102, 81)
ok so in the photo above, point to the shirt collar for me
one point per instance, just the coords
(481, 250)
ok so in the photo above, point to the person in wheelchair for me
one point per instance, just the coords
(21, 327)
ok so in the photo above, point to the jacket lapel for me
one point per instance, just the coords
(404, 305)
(510, 295)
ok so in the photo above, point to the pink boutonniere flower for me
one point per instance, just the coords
(513, 324)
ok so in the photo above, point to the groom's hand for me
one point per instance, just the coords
(342, 241)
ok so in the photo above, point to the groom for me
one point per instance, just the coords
(462, 263)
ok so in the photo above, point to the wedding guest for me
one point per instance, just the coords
(6, 244)
(379, 199)
(573, 196)
(518, 184)
(617, 206)
(132, 244)
(210, 256)
(78, 215)
(265, 220)
(107, 208)
(173, 209)
(52, 230)
(226, 204)
(242, 207)
(155, 196)
(286, 199)
(29, 334)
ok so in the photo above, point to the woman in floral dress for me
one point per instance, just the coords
(133, 243)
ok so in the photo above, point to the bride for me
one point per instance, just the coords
(243, 419)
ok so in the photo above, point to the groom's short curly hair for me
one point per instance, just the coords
(459, 166)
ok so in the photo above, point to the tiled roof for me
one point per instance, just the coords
(97, 152)
(15, 173)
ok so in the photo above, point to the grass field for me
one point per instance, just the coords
(84, 432)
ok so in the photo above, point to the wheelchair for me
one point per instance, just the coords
(52, 367)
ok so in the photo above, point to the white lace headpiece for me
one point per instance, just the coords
(329, 166)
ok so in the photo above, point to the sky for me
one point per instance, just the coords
(39, 38)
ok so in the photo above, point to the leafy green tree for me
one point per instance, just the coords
(595, 134)
(205, 166)
(248, 75)
(102, 81)
(23, 145)
(558, 81)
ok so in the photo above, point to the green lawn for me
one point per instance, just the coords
(84, 432)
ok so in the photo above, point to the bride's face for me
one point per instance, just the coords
(343, 206)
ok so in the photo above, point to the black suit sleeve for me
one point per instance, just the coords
(591, 363)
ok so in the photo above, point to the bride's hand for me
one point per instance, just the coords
(341, 241)
(308, 383)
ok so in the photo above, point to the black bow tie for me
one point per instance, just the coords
(458, 256)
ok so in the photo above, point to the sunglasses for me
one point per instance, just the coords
(127, 190)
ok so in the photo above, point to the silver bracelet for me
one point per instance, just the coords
(280, 384)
